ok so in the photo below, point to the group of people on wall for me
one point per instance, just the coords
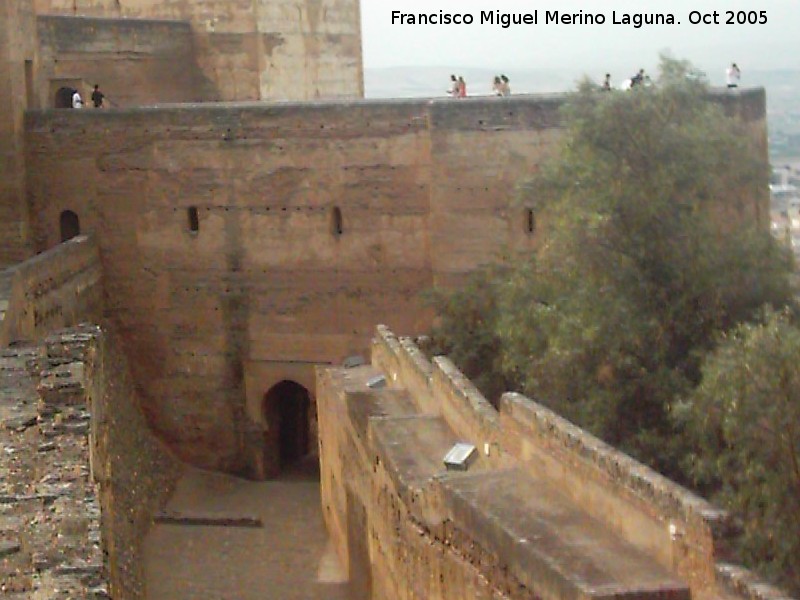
(732, 76)
(501, 86)
(98, 98)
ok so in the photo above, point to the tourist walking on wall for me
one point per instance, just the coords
(453, 91)
(77, 101)
(497, 86)
(606, 87)
(732, 75)
(462, 87)
(638, 79)
(505, 86)
(97, 97)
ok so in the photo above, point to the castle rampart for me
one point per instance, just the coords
(56, 289)
(507, 527)
(267, 238)
(74, 438)
(262, 50)
(313, 220)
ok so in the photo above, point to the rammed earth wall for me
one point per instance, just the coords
(82, 473)
(57, 288)
(407, 528)
(313, 222)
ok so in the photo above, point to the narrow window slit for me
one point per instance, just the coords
(337, 225)
(530, 221)
(194, 220)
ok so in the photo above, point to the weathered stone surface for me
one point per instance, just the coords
(8, 548)
(547, 510)
(269, 49)
(52, 536)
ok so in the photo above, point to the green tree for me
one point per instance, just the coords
(745, 418)
(652, 248)
(466, 330)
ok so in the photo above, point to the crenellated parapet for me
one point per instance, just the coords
(55, 289)
(545, 510)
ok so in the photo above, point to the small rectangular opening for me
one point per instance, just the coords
(337, 224)
(194, 220)
(30, 95)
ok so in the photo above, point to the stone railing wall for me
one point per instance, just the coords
(58, 288)
(406, 495)
(81, 477)
(135, 472)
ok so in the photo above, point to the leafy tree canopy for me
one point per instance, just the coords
(653, 250)
(651, 246)
(745, 419)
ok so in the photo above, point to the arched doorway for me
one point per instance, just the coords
(287, 413)
(70, 225)
(63, 97)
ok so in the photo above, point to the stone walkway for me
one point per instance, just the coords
(289, 558)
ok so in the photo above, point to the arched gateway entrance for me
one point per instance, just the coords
(63, 97)
(287, 413)
(70, 225)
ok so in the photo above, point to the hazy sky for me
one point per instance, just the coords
(590, 47)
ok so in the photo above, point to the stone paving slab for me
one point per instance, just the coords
(549, 543)
(289, 558)
(208, 519)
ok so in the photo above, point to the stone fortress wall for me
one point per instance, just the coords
(243, 244)
(314, 221)
(82, 474)
(135, 61)
(55, 289)
(234, 249)
(262, 50)
(545, 510)
(18, 59)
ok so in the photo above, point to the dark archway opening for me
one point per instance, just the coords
(70, 225)
(287, 407)
(64, 97)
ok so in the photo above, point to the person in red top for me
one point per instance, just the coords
(462, 88)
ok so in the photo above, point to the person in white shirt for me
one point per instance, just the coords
(505, 86)
(732, 75)
(497, 86)
(453, 91)
(77, 101)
